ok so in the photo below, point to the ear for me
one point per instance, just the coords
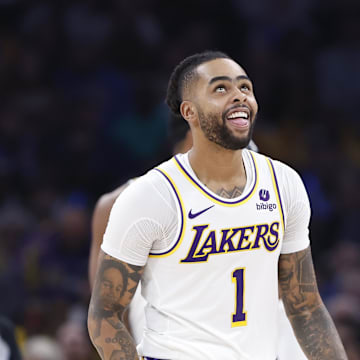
(188, 111)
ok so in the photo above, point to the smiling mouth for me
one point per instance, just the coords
(239, 118)
(238, 115)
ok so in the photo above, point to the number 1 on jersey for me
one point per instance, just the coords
(239, 316)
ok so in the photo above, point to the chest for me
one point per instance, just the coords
(211, 228)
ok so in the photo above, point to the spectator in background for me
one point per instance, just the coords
(345, 310)
(42, 347)
(73, 340)
(142, 129)
(68, 72)
(9, 349)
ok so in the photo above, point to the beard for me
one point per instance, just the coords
(220, 133)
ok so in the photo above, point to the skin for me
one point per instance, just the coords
(112, 293)
(309, 318)
(221, 86)
(102, 212)
(206, 105)
(98, 226)
(111, 287)
(99, 222)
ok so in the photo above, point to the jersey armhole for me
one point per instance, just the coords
(277, 192)
(174, 245)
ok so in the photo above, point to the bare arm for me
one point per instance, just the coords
(311, 322)
(115, 285)
(99, 221)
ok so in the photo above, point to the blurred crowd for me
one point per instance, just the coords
(82, 110)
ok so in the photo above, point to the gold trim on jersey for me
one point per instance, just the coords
(276, 188)
(182, 214)
(213, 198)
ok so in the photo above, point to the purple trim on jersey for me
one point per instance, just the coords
(278, 191)
(214, 197)
(181, 212)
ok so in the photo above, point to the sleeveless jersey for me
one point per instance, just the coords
(213, 293)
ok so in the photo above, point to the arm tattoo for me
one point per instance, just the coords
(230, 194)
(115, 285)
(309, 318)
(117, 355)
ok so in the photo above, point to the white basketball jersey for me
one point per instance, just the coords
(213, 293)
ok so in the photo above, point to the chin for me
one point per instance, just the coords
(239, 143)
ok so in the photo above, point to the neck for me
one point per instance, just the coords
(218, 168)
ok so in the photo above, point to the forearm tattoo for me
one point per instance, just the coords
(115, 285)
(309, 318)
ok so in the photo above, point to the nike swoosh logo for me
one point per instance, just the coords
(194, 215)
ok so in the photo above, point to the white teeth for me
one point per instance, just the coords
(238, 114)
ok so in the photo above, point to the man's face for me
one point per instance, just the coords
(226, 105)
(110, 288)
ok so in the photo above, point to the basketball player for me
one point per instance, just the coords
(207, 232)
(288, 347)
(134, 318)
(180, 136)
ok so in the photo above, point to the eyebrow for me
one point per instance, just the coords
(227, 78)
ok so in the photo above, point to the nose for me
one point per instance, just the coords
(238, 96)
(110, 292)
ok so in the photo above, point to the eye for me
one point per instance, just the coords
(107, 284)
(245, 87)
(220, 89)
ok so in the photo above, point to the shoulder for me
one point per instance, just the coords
(106, 201)
(291, 187)
(151, 188)
(145, 199)
(141, 184)
(284, 173)
(288, 180)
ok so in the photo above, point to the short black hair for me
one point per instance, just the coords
(184, 73)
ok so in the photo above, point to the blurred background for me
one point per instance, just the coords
(82, 87)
